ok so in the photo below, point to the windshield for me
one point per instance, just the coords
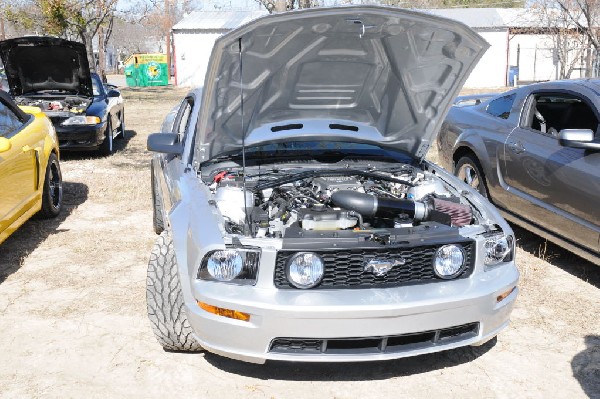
(332, 151)
(96, 87)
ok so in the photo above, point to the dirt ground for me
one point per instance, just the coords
(73, 315)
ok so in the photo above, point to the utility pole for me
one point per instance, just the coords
(168, 26)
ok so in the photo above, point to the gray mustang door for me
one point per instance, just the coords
(555, 187)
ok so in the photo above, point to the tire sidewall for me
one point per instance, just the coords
(49, 209)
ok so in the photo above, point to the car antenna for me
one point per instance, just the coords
(246, 216)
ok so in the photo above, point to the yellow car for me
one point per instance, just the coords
(30, 177)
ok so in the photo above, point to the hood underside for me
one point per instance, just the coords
(366, 74)
(35, 64)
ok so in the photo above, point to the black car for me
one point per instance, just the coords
(54, 75)
(534, 152)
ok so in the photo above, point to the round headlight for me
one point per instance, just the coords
(498, 249)
(449, 261)
(305, 270)
(225, 265)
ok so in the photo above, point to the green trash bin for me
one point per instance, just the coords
(146, 70)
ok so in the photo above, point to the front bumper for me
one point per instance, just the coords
(404, 315)
(81, 137)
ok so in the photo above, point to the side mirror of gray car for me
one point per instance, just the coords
(165, 143)
(578, 138)
(113, 93)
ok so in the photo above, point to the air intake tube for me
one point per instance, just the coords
(435, 209)
(370, 205)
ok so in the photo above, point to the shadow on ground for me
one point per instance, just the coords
(357, 371)
(557, 256)
(586, 366)
(31, 234)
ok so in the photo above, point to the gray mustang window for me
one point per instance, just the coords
(552, 113)
(501, 107)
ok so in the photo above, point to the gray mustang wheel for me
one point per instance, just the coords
(165, 301)
(468, 170)
(53, 190)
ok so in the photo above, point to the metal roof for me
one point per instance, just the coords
(490, 17)
(216, 20)
(478, 18)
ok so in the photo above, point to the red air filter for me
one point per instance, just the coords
(460, 214)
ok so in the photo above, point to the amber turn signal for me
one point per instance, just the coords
(232, 314)
(505, 294)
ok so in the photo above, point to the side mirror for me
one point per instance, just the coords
(165, 143)
(5, 144)
(578, 138)
(113, 93)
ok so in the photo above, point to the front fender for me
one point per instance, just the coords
(195, 226)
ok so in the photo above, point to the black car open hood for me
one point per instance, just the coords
(45, 63)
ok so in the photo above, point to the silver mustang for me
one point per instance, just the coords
(298, 219)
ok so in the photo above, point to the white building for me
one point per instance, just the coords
(522, 47)
(194, 37)
(517, 39)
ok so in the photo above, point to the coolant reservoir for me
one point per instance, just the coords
(328, 220)
(232, 202)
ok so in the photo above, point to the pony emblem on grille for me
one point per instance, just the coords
(380, 267)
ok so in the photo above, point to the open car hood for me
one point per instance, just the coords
(364, 74)
(45, 63)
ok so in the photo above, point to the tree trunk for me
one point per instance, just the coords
(86, 39)
(101, 54)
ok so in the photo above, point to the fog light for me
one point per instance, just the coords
(232, 314)
(305, 270)
(505, 295)
(449, 261)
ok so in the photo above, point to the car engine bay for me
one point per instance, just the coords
(314, 200)
(56, 104)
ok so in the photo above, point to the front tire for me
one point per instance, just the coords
(106, 148)
(52, 192)
(164, 299)
(122, 134)
(469, 171)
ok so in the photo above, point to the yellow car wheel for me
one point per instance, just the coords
(53, 189)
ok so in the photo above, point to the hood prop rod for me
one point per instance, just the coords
(247, 228)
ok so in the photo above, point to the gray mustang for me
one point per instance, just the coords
(298, 220)
(535, 153)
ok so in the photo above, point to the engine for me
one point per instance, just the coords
(336, 202)
(73, 104)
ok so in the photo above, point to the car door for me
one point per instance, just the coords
(18, 166)
(554, 187)
(169, 166)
